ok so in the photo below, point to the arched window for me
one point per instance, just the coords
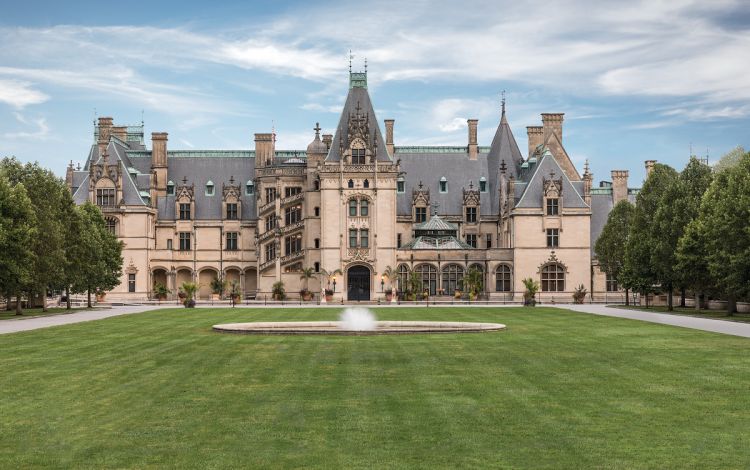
(170, 188)
(316, 185)
(367, 183)
(443, 185)
(553, 278)
(210, 188)
(352, 207)
(502, 278)
(364, 208)
(317, 267)
(402, 277)
(350, 184)
(428, 277)
(249, 188)
(453, 276)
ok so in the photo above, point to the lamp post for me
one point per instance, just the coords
(382, 283)
(334, 284)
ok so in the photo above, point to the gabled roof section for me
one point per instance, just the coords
(533, 195)
(563, 159)
(436, 223)
(357, 102)
(503, 149)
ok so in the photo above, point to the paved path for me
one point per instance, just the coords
(25, 324)
(705, 324)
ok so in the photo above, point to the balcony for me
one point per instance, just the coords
(292, 199)
(265, 207)
(293, 257)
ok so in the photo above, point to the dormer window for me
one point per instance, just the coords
(249, 188)
(553, 206)
(482, 184)
(358, 156)
(210, 188)
(170, 188)
(443, 185)
(400, 185)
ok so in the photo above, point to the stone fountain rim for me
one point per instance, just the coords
(334, 328)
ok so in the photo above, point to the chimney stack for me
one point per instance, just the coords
(158, 150)
(105, 129)
(265, 149)
(534, 134)
(389, 136)
(649, 167)
(553, 123)
(619, 185)
(327, 139)
(473, 148)
(69, 176)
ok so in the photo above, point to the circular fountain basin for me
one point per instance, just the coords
(335, 328)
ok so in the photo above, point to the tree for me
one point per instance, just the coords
(306, 274)
(391, 274)
(730, 159)
(473, 282)
(17, 232)
(610, 246)
(724, 227)
(692, 260)
(47, 195)
(642, 246)
(679, 204)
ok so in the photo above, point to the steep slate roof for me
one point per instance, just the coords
(503, 148)
(601, 205)
(357, 97)
(434, 164)
(534, 192)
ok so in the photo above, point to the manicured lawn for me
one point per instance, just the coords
(691, 312)
(37, 312)
(557, 389)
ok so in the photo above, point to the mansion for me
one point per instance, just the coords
(349, 206)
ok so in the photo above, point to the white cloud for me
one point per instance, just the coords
(40, 133)
(336, 108)
(19, 93)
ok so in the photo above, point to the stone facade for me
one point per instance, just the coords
(351, 205)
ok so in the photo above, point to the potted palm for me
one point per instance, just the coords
(327, 275)
(189, 288)
(329, 295)
(161, 292)
(234, 291)
(473, 283)
(278, 290)
(305, 275)
(579, 294)
(414, 285)
(390, 273)
(218, 285)
(529, 296)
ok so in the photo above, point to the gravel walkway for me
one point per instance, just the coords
(34, 323)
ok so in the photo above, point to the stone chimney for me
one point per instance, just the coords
(473, 147)
(69, 176)
(552, 123)
(619, 185)
(389, 136)
(327, 139)
(649, 167)
(105, 129)
(265, 149)
(121, 132)
(159, 149)
(534, 134)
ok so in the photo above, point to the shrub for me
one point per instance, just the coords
(529, 296)
(579, 294)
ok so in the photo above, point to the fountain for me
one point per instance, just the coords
(356, 321)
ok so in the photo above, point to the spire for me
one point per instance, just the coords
(503, 119)
(317, 130)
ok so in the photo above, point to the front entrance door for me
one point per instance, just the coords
(358, 283)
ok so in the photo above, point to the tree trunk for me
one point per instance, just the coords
(670, 305)
(88, 300)
(19, 310)
(682, 297)
(697, 301)
(44, 299)
(67, 297)
(627, 297)
(731, 306)
(7, 303)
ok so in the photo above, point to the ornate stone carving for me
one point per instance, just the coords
(552, 186)
(420, 196)
(231, 190)
(184, 191)
(471, 196)
(552, 260)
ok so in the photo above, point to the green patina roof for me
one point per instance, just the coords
(436, 149)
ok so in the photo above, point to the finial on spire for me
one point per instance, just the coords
(503, 166)
(365, 64)
(317, 129)
(142, 111)
(502, 105)
(70, 165)
(184, 180)
(350, 60)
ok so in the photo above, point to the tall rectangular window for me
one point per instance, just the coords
(184, 211)
(231, 241)
(184, 241)
(483, 186)
(292, 215)
(352, 207)
(270, 251)
(231, 211)
(400, 186)
(489, 240)
(364, 238)
(553, 238)
(471, 215)
(612, 284)
(364, 208)
(352, 238)
(105, 197)
(293, 244)
(358, 156)
(398, 240)
(420, 214)
(553, 206)
(270, 222)
(131, 282)
(270, 195)
(169, 243)
(471, 239)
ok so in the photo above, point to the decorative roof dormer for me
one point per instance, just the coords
(471, 195)
(231, 190)
(184, 191)
(421, 196)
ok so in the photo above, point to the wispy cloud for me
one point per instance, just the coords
(20, 94)
(40, 133)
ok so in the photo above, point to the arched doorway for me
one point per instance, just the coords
(358, 283)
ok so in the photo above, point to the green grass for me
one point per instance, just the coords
(37, 312)
(691, 312)
(556, 389)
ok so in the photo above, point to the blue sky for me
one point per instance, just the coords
(637, 80)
